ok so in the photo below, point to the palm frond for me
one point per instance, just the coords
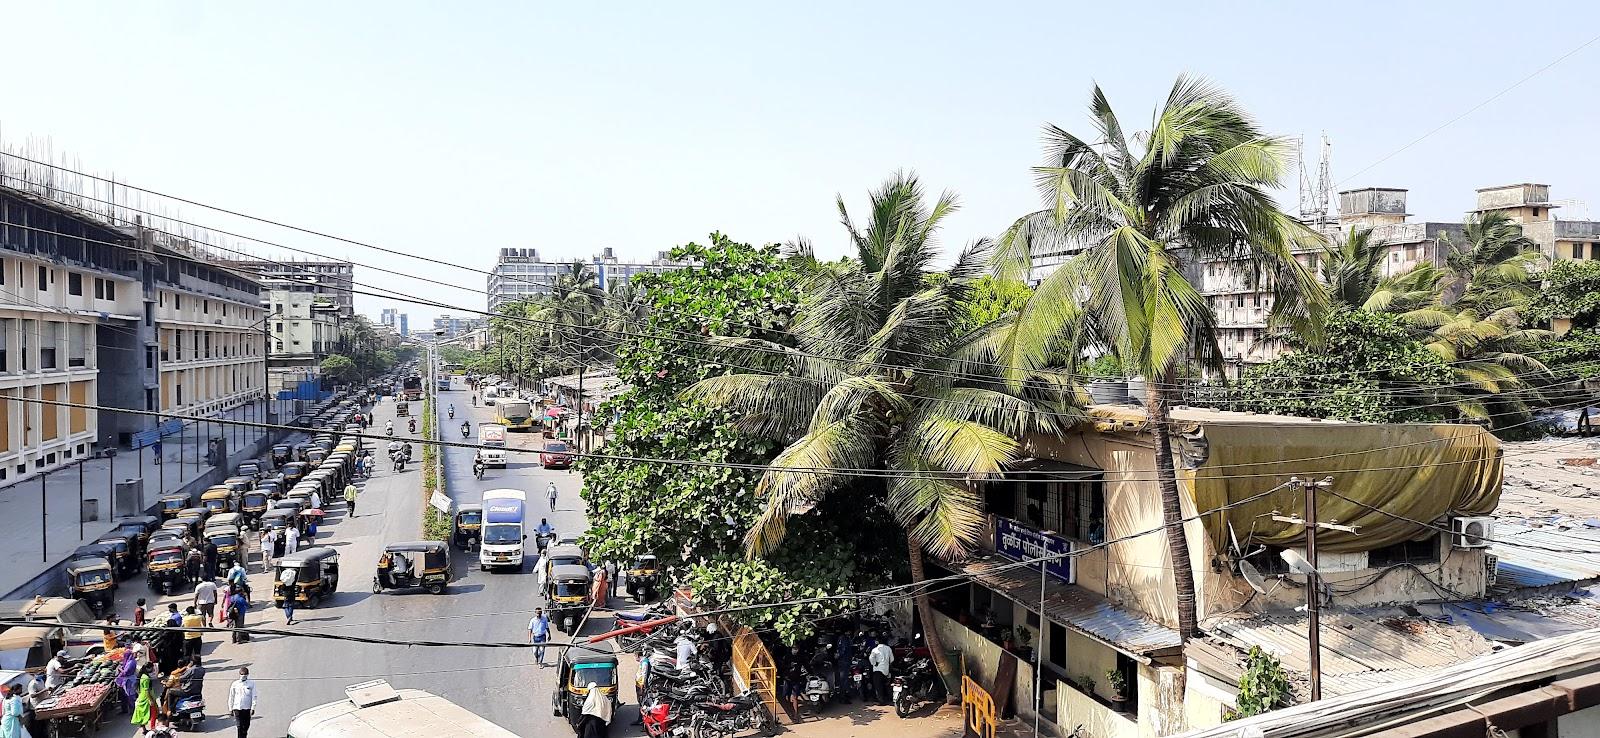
(797, 479)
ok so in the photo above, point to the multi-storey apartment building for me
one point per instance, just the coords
(334, 280)
(110, 317)
(520, 273)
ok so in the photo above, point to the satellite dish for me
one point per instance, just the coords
(1252, 576)
(1298, 563)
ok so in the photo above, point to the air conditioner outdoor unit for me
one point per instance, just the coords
(1474, 532)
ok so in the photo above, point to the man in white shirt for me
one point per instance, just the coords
(242, 700)
(316, 500)
(55, 672)
(686, 653)
(881, 657)
(291, 540)
(205, 600)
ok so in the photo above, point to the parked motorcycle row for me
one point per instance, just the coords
(691, 700)
(834, 667)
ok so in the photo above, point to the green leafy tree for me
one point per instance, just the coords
(1194, 187)
(992, 299)
(1570, 291)
(1370, 368)
(1263, 687)
(694, 517)
(339, 366)
(884, 380)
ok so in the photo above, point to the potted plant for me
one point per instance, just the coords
(1118, 684)
(1024, 643)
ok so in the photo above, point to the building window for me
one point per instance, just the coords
(99, 288)
(5, 342)
(149, 357)
(47, 345)
(1535, 212)
(44, 279)
(1083, 509)
(1425, 551)
(75, 284)
(177, 301)
(1577, 251)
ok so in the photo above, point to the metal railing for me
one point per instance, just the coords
(753, 665)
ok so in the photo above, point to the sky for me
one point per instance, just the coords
(449, 130)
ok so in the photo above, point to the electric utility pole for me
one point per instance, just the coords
(1313, 577)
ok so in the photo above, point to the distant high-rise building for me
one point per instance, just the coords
(405, 327)
(447, 326)
(388, 317)
(520, 273)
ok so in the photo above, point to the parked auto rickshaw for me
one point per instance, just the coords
(124, 554)
(255, 503)
(164, 565)
(226, 520)
(218, 500)
(282, 453)
(140, 527)
(316, 455)
(229, 542)
(292, 507)
(300, 450)
(184, 525)
(272, 487)
(240, 485)
(644, 578)
(172, 504)
(92, 577)
(295, 471)
(252, 469)
(560, 555)
(196, 512)
(580, 666)
(466, 526)
(568, 591)
(315, 573)
(424, 564)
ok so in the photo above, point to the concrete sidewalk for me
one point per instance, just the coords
(50, 504)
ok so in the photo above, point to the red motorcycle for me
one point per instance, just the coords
(661, 719)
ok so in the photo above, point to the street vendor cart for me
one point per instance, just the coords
(73, 710)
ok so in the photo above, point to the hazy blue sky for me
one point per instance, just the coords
(452, 129)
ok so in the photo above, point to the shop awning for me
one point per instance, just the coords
(1073, 607)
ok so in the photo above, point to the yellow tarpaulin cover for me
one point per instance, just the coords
(1419, 471)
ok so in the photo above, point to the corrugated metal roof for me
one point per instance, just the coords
(1358, 650)
(1521, 566)
(1073, 606)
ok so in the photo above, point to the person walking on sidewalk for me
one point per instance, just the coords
(242, 701)
(234, 610)
(551, 490)
(269, 539)
(191, 637)
(350, 493)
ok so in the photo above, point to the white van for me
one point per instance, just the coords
(503, 534)
(492, 438)
(376, 710)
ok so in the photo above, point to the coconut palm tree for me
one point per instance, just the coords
(1194, 187)
(1492, 266)
(880, 379)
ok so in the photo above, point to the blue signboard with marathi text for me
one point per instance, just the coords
(1016, 541)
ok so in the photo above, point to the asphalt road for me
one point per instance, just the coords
(502, 685)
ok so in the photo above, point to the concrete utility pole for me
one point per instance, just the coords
(1309, 568)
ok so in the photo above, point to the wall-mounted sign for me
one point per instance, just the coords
(1021, 543)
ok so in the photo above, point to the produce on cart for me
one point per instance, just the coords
(74, 710)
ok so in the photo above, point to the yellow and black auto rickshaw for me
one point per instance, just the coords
(568, 592)
(253, 505)
(164, 565)
(644, 578)
(229, 542)
(294, 471)
(92, 577)
(282, 453)
(466, 526)
(240, 485)
(424, 564)
(171, 505)
(312, 572)
(218, 499)
(124, 552)
(580, 666)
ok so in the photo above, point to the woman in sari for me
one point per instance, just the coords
(142, 711)
(128, 679)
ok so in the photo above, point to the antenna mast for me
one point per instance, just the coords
(1318, 207)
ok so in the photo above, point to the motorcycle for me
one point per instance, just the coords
(188, 713)
(388, 430)
(452, 413)
(661, 719)
(466, 431)
(919, 682)
(724, 718)
(399, 462)
(477, 469)
(413, 426)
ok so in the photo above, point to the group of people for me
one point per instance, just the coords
(834, 661)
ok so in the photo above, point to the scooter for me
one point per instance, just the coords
(413, 426)
(817, 692)
(466, 431)
(918, 683)
(188, 713)
(452, 413)
(477, 470)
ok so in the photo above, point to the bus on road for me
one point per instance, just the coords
(515, 414)
(376, 710)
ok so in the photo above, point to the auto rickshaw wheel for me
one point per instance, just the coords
(436, 589)
(376, 587)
